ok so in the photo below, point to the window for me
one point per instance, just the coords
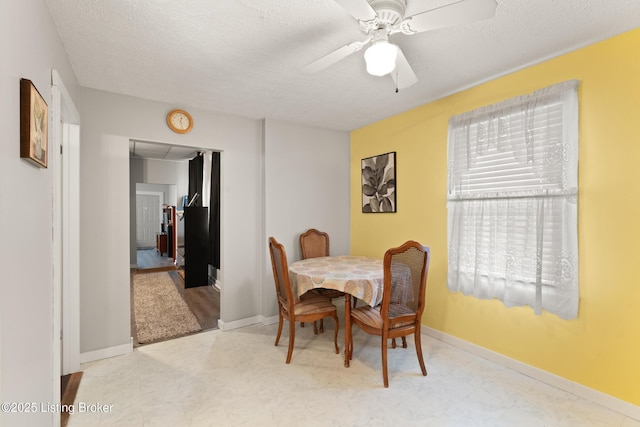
(512, 201)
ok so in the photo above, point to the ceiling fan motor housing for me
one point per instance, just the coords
(388, 14)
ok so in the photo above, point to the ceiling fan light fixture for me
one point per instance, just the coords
(381, 57)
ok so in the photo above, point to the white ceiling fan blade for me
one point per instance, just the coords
(403, 75)
(333, 57)
(461, 12)
(359, 9)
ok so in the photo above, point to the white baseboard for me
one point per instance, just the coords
(105, 353)
(610, 402)
(228, 326)
(270, 320)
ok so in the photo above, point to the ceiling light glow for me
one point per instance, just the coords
(381, 57)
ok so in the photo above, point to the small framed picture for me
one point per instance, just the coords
(379, 183)
(34, 124)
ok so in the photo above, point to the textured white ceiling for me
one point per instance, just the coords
(243, 56)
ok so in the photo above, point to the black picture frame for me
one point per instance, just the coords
(379, 183)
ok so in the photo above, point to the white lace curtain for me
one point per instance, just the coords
(512, 201)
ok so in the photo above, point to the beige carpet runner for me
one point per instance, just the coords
(159, 310)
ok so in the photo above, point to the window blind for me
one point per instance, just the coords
(512, 201)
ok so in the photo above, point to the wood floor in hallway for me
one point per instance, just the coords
(203, 301)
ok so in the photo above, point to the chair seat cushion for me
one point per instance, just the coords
(315, 305)
(370, 316)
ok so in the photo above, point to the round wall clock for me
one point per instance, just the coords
(179, 121)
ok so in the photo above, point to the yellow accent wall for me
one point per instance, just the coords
(601, 348)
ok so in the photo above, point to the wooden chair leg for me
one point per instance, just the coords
(315, 327)
(385, 374)
(280, 320)
(292, 338)
(404, 342)
(419, 352)
(335, 334)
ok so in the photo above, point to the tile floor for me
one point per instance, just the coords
(239, 378)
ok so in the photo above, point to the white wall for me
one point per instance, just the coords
(163, 172)
(299, 167)
(108, 121)
(30, 48)
(104, 225)
(306, 186)
(105, 277)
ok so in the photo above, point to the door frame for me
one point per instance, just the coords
(65, 138)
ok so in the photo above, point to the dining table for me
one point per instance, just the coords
(358, 276)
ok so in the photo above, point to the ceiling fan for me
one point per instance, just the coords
(380, 19)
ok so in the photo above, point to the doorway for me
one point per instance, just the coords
(65, 134)
(154, 168)
(147, 219)
(156, 237)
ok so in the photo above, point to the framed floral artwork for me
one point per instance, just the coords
(379, 183)
(34, 124)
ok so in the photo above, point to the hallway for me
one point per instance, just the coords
(151, 258)
(203, 301)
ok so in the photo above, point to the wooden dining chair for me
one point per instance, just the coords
(305, 310)
(403, 299)
(315, 244)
